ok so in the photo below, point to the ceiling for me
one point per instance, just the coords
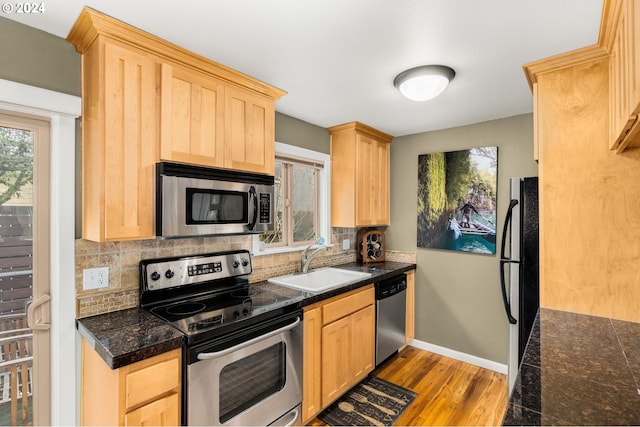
(337, 58)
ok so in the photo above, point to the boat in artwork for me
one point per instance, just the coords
(455, 229)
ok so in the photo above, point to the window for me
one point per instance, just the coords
(301, 194)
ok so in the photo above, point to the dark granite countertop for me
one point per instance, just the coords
(578, 370)
(128, 336)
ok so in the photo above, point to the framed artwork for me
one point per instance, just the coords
(457, 200)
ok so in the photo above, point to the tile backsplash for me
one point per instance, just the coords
(123, 258)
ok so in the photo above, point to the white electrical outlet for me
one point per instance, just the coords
(95, 278)
(346, 245)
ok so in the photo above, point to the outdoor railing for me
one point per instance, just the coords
(16, 362)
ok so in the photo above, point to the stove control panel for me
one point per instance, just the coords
(178, 271)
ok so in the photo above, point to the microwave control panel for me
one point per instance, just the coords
(265, 208)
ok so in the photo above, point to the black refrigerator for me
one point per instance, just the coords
(519, 268)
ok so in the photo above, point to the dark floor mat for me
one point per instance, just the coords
(372, 402)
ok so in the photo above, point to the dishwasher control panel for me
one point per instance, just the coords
(390, 287)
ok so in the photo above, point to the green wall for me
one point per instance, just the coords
(458, 300)
(292, 131)
(37, 58)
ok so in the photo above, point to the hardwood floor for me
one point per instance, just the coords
(450, 392)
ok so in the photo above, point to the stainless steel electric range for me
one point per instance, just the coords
(243, 353)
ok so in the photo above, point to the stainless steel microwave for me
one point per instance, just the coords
(197, 201)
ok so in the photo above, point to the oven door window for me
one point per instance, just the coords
(217, 207)
(252, 379)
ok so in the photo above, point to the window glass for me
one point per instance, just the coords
(275, 237)
(304, 196)
(296, 204)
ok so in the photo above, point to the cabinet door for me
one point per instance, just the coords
(411, 310)
(249, 131)
(145, 380)
(624, 79)
(311, 386)
(633, 17)
(363, 343)
(161, 412)
(336, 354)
(127, 163)
(618, 83)
(192, 121)
(372, 181)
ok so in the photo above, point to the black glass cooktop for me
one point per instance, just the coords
(200, 314)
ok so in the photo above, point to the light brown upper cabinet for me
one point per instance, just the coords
(249, 131)
(209, 123)
(578, 173)
(624, 75)
(119, 134)
(146, 100)
(192, 117)
(359, 176)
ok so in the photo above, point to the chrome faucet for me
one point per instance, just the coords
(305, 260)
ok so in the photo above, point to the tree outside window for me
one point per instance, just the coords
(16, 162)
(296, 204)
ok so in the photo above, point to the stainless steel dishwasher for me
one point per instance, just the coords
(391, 307)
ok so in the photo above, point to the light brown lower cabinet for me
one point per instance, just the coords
(339, 347)
(157, 413)
(142, 393)
(311, 362)
(410, 331)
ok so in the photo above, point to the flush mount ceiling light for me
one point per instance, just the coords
(425, 82)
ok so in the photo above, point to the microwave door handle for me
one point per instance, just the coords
(254, 196)
(216, 354)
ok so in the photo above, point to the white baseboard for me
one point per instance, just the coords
(458, 355)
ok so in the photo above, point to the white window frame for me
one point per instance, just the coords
(324, 197)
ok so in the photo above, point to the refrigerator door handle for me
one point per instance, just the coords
(505, 261)
(505, 227)
(507, 305)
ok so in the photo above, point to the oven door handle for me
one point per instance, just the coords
(216, 354)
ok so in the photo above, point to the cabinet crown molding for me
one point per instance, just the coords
(91, 24)
(565, 60)
(600, 50)
(360, 127)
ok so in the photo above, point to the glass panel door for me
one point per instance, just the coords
(20, 259)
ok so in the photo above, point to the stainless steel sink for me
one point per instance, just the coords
(320, 279)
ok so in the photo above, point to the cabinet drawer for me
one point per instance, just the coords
(161, 412)
(345, 306)
(152, 381)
